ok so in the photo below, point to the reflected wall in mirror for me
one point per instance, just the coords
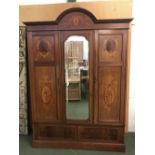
(77, 78)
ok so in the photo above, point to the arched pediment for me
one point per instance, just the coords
(75, 10)
(76, 17)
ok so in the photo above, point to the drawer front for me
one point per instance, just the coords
(107, 134)
(56, 132)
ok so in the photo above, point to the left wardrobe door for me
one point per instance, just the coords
(44, 70)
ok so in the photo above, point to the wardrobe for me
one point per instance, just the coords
(77, 69)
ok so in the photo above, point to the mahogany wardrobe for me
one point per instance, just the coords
(77, 67)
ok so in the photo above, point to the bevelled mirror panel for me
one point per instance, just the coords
(76, 59)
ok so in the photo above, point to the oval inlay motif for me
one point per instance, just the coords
(76, 21)
(110, 45)
(109, 95)
(43, 48)
(46, 94)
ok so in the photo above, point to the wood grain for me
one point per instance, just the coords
(109, 86)
(104, 130)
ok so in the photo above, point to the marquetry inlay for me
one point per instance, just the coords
(46, 94)
(109, 95)
(110, 45)
(43, 48)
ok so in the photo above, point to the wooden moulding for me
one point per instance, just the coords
(126, 20)
(79, 145)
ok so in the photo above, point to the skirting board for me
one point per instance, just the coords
(79, 145)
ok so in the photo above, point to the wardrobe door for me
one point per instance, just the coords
(77, 74)
(43, 57)
(110, 76)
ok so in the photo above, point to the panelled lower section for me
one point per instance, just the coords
(100, 134)
(107, 134)
(73, 136)
(56, 132)
(79, 145)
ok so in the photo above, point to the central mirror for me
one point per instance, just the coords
(76, 57)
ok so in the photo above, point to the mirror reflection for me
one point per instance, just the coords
(77, 78)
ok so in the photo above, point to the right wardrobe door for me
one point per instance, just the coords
(110, 75)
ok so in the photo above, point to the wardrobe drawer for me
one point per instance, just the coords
(108, 134)
(56, 132)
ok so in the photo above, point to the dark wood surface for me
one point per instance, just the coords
(104, 130)
(79, 145)
(110, 75)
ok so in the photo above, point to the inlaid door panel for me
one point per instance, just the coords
(110, 47)
(110, 76)
(44, 46)
(109, 94)
(46, 96)
(44, 69)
